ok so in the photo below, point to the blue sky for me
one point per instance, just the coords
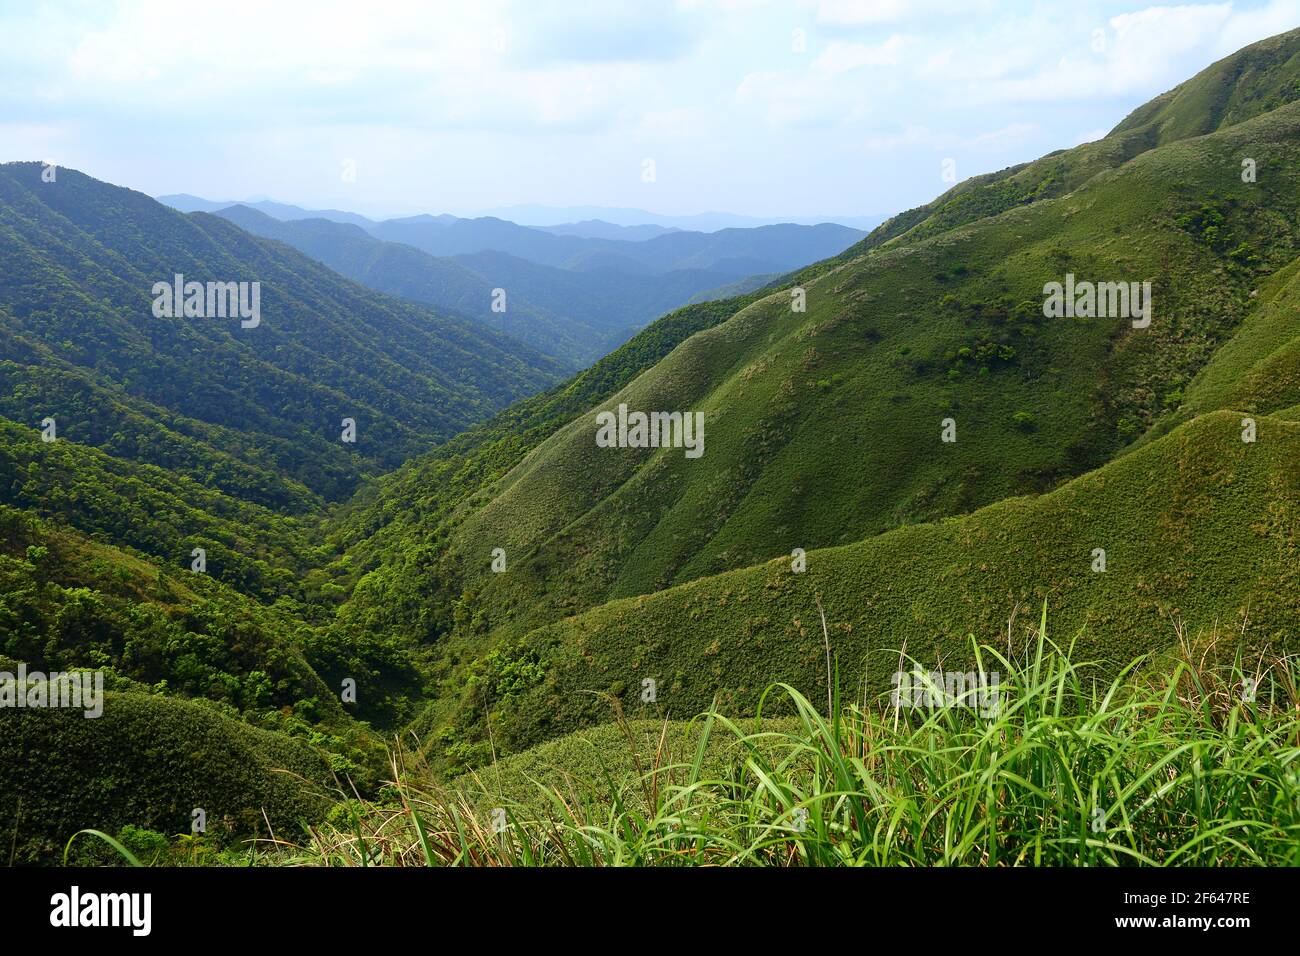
(816, 108)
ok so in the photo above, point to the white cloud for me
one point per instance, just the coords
(860, 12)
(841, 57)
(1249, 26)
(516, 101)
(1145, 52)
(866, 13)
(828, 90)
(922, 137)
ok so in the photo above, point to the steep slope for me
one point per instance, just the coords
(520, 574)
(1251, 81)
(390, 540)
(150, 761)
(165, 514)
(70, 601)
(1201, 532)
(209, 698)
(1258, 370)
(82, 258)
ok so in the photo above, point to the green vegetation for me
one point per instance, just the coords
(162, 513)
(1199, 530)
(167, 757)
(1075, 769)
(1143, 482)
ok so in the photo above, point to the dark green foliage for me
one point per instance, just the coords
(69, 602)
(82, 258)
(162, 513)
(148, 761)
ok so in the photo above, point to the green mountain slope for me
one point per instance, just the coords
(390, 540)
(1256, 79)
(71, 601)
(149, 762)
(210, 697)
(161, 513)
(1258, 370)
(1201, 532)
(1250, 82)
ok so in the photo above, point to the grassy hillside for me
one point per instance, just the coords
(1258, 370)
(1201, 532)
(1254, 80)
(1250, 82)
(389, 542)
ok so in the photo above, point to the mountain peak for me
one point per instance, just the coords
(1252, 81)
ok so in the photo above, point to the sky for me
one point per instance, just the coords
(800, 108)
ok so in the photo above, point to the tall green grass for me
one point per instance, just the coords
(1182, 769)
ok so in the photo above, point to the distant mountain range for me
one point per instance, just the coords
(600, 229)
(574, 292)
(539, 215)
(733, 252)
(184, 202)
(596, 222)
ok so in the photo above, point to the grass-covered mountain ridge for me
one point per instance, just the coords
(825, 427)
